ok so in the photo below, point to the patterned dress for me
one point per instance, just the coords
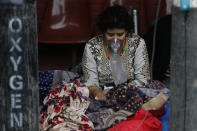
(97, 68)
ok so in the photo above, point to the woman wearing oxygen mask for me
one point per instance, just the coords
(116, 71)
(116, 56)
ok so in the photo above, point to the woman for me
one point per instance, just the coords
(115, 23)
(130, 95)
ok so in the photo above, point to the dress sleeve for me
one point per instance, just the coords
(141, 65)
(89, 67)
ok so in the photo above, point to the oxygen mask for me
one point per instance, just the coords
(118, 67)
(115, 45)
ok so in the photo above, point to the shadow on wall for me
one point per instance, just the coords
(162, 51)
(59, 56)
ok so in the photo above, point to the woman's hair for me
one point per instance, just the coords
(115, 17)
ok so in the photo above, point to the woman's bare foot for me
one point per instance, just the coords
(156, 103)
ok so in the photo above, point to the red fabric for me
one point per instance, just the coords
(158, 113)
(150, 123)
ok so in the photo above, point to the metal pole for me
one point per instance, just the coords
(135, 21)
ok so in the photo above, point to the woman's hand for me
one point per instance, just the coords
(97, 92)
(100, 95)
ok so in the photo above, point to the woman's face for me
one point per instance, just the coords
(115, 34)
